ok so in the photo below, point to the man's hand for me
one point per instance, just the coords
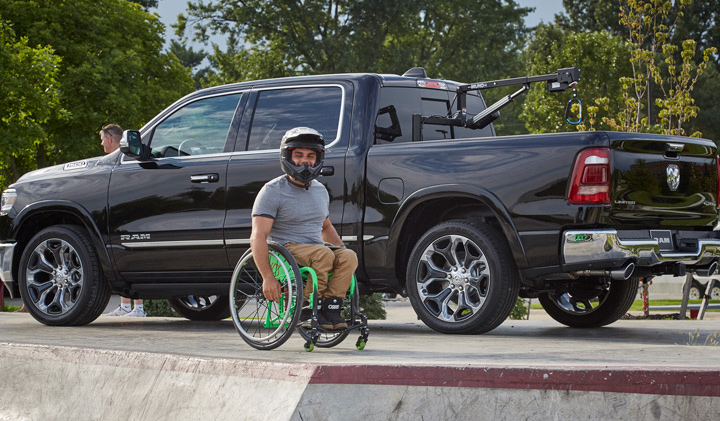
(271, 289)
(261, 227)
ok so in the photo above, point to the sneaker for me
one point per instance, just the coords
(332, 306)
(118, 312)
(136, 312)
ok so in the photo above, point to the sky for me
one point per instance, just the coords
(168, 10)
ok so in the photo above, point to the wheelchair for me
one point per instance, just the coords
(266, 325)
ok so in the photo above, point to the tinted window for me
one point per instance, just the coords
(198, 128)
(278, 111)
(427, 102)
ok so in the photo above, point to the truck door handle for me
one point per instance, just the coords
(205, 178)
(327, 171)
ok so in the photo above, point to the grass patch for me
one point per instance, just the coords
(9, 309)
(638, 304)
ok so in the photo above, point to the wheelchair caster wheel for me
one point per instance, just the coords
(309, 346)
(360, 345)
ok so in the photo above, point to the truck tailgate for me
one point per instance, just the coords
(663, 181)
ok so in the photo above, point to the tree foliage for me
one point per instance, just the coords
(657, 91)
(592, 16)
(700, 20)
(652, 56)
(112, 69)
(28, 89)
(663, 23)
(602, 58)
(457, 39)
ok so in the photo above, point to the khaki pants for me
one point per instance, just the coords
(341, 262)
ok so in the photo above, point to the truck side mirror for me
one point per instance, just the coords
(132, 146)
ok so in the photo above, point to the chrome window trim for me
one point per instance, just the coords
(145, 129)
(151, 126)
(319, 85)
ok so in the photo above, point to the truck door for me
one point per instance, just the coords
(166, 213)
(269, 114)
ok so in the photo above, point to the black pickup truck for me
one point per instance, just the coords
(436, 206)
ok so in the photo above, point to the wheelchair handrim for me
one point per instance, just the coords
(287, 313)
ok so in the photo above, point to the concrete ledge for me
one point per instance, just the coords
(50, 382)
(696, 382)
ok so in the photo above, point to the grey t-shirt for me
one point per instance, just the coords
(298, 213)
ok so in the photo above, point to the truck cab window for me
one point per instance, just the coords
(409, 101)
(280, 110)
(199, 128)
(427, 102)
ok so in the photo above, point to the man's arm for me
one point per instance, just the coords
(261, 227)
(329, 235)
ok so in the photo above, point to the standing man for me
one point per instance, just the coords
(293, 210)
(110, 136)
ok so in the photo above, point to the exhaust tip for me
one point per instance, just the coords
(629, 269)
(708, 270)
(712, 269)
(623, 274)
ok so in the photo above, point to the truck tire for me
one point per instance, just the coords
(202, 308)
(461, 278)
(697, 290)
(60, 278)
(715, 292)
(589, 309)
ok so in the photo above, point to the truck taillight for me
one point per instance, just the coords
(590, 181)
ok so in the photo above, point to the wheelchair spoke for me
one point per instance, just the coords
(262, 323)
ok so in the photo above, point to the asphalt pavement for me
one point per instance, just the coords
(401, 339)
(161, 368)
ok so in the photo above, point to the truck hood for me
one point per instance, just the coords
(70, 168)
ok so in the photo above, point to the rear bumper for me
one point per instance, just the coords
(598, 246)
(6, 258)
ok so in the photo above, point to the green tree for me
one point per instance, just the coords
(459, 39)
(602, 59)
(653, 59)
(146, 4)
(28, 89)
(697, 20)
(113, 69)
(700, 20)
(191, 59)
(591, 16)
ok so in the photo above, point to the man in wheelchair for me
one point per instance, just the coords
(293, 210)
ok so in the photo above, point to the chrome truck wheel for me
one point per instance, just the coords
(60, 278)
(591, 302)
(461, 278)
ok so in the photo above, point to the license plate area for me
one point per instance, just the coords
(664, 239)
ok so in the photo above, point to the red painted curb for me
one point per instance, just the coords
(682, 382)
